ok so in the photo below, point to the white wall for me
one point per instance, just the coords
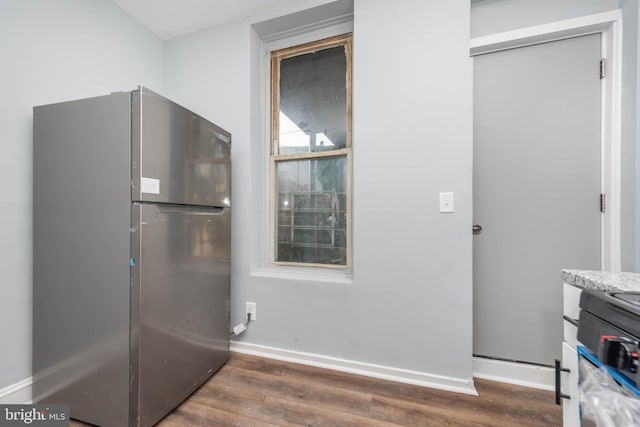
(50, 51)
(409, 304)
(495, 16)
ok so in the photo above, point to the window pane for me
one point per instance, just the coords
(313, 102)
(311, 220)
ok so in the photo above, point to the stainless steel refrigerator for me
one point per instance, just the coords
(131, 255)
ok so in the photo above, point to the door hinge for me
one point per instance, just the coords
(603, 202)
(603, 65)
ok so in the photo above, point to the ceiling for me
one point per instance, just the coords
(173, 18)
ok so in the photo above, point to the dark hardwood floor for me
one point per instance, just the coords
(252, 391)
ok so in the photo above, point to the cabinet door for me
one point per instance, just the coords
(569, 386)
(571, 310)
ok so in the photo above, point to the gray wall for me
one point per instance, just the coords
(411, 291)
(495, 16)
(637, 233)
(630, 135)
(50, 51)
(409, 303)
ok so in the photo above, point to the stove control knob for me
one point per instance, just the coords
(619, 352)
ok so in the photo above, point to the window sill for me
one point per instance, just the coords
(305, 273)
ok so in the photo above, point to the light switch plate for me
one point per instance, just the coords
(446, 202)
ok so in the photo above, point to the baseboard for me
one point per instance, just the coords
(18, 393)
(523, 374)
(360, 368)
(526, 375)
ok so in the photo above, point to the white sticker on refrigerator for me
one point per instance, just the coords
(149, 185)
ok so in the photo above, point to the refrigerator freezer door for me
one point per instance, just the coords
(177, 156)
(180, 304)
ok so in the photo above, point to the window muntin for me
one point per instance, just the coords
(311, 153)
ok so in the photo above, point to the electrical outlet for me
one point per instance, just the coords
(250, 307)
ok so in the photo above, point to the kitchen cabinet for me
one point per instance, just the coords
(574, 281)
(569, 377)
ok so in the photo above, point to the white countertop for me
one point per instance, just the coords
(602, 280)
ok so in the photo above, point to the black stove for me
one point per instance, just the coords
(609, 326)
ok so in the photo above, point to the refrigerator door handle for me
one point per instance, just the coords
(191, 210)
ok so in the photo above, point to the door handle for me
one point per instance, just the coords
(559, 394)
(477, 229)
(191, 210)
(574, 322)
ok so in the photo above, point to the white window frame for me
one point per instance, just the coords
(260, 261)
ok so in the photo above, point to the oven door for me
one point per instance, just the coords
(607, 398)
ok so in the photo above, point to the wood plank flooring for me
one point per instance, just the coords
(253, 391)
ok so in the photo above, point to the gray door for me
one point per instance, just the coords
(177, 156)
(536, 191)
(180, 303)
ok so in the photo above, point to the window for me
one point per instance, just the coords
(311, 154)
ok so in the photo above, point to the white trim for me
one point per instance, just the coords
(524, 374)
(17, 393)
(544, 33)
(609, 25)
(308, 33)
(611, 145)
(422, 379)
(324, 275)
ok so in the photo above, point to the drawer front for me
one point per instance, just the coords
(571, 300)
(569, 386)
(570, 334)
